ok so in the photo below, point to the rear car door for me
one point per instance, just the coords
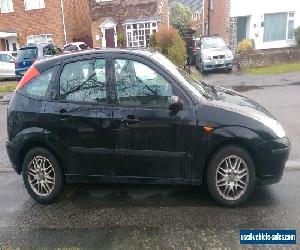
(151, 142)
(84, 109)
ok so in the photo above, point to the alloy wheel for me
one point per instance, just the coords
(232, 177)
(41, 176)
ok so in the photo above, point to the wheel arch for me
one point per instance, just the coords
(230, 142)
(37, 144)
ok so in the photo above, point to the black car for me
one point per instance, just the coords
(29, 53)
(131, 116)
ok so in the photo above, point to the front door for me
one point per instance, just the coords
(110, 37)
(84, 108)
(150, 141)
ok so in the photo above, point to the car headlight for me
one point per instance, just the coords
(275, 126)
(206, 57)
(229, 56)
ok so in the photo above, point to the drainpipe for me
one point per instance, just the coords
(63, 17)
(208, 17)
(203, 18)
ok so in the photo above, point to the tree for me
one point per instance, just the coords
(181, 17)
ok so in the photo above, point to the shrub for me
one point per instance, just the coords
(153, 42)
(297, 36)
(172, 45)
(120, 39)
(164, 38)
(245, 47)
(177, 51)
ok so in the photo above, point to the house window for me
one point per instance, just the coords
(278, 26)
(196, 16)
(37, 39)
(6, 6)
(138, 35)
(34, 4)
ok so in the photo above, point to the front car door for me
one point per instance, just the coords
(151, 142)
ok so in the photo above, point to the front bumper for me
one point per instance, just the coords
(217, 64)
(270, 160)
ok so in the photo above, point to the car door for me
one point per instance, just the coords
(84, 109)
(151, 141)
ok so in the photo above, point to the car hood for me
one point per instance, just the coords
(216, 51)
(236, 101)
(229, 108)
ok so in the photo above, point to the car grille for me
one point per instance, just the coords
(219, 57)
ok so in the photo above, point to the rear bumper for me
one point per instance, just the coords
(12, 152)
(271, 157)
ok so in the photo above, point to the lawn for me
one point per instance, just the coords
(274, 69)
(8, 86)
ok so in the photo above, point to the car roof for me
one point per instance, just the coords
(129, 51)
(33, 45)
(75, 43)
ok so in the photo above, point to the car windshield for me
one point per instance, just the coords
(71, 48)
(28, 53)
(195, 86)
(212, 43)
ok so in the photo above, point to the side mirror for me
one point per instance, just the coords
(12, 60)
(176, 105)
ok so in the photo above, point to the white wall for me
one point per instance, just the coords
(256, 10)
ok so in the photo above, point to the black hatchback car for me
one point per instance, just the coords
(131, 116)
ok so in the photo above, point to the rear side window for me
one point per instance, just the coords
(28, 53)
(37, 88)
(84, 81)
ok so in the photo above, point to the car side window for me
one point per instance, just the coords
(139, 85)
(84, 81)
(38, 87)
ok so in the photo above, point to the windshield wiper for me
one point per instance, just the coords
(210, 90)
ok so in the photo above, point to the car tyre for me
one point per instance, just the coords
(42, 175)
(231, 176)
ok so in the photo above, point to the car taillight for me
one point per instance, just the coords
(16, 65)
(31, 73)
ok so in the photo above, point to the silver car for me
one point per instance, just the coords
(213, 54)
(7, 65)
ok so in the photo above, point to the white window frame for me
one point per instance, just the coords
(287, 25)
(289, 18)
(101, 1)
(135, 41)
(41, 5)
(7, 6)
(31, 39)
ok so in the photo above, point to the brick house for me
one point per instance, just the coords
(216, 18)
(34, 21)
(127, 23)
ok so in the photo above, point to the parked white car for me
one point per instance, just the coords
(76, 46)
(7, 65)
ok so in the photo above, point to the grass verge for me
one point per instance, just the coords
(7, 86)
(274, 69)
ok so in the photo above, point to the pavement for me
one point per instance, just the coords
(157, 216)
(141, 216)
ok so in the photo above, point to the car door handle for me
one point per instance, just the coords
(63, 113)
(130, 120)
